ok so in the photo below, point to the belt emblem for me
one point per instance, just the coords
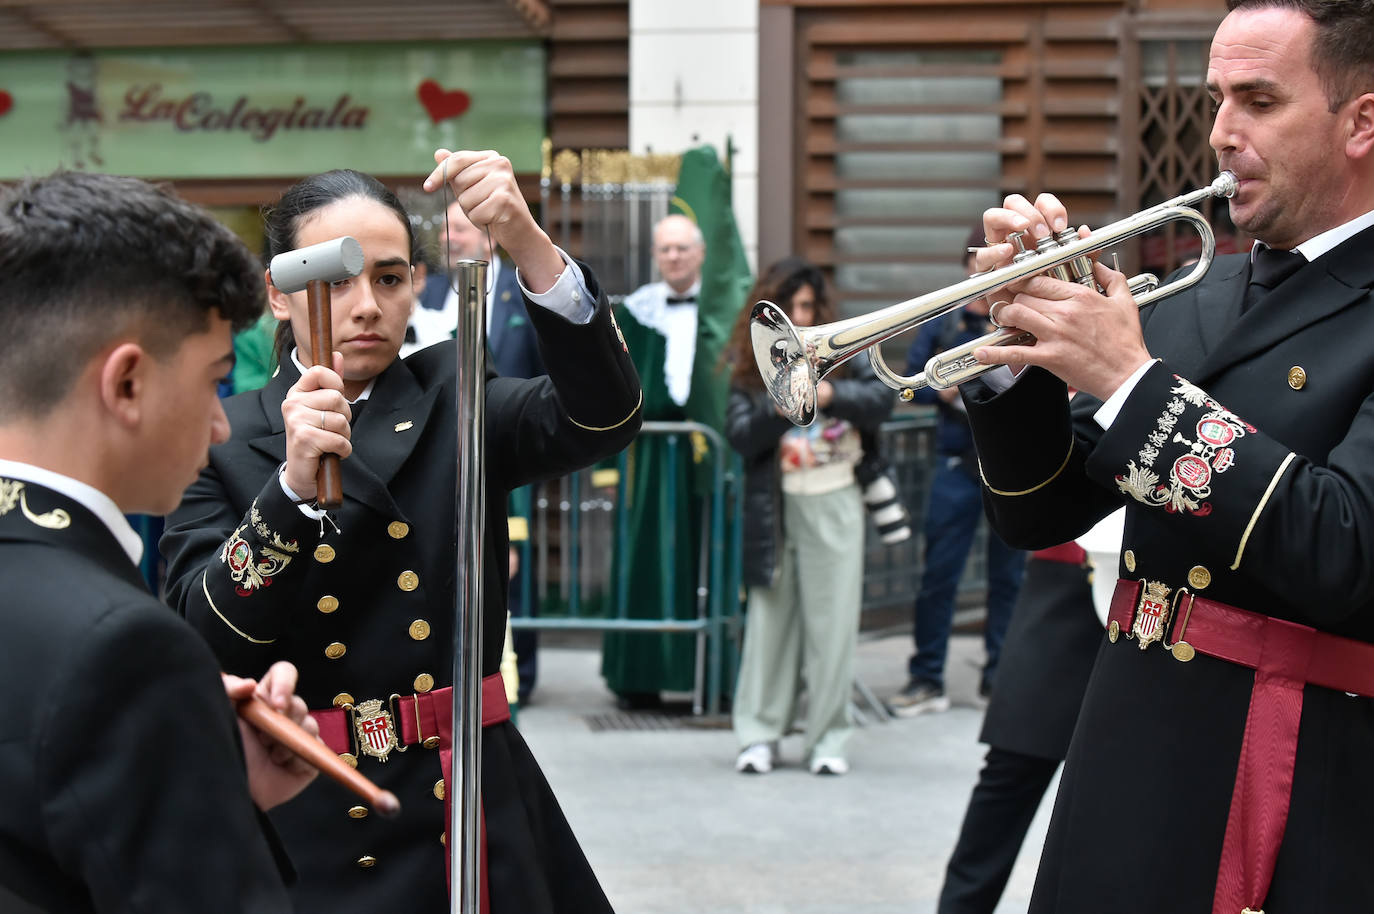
(1151, 614)
(376, 731)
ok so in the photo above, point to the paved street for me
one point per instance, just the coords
(671, 828)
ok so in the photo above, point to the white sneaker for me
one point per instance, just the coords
(756, 758)
(829, 764)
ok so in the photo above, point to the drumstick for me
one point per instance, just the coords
(294, 737)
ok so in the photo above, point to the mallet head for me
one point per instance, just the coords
(328, 261)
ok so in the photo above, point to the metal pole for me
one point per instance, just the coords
(470, 281)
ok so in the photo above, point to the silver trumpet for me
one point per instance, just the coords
(794, 361)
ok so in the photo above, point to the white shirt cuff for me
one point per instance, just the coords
(999, 378)
(568, 296)
(312, 513)
(1106, 413)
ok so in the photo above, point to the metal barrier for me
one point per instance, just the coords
(579, 527)
(892, 574)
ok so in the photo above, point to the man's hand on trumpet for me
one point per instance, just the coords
(1089, 339)
(275, 773)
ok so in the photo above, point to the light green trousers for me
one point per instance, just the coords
(802, 631)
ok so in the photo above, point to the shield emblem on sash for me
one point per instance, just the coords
(376, 732)
(1151, 614)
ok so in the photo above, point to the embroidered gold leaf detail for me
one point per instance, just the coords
(1191, 392)
(56, 519)
(285, 545)
(1139, 482)
(9, 495)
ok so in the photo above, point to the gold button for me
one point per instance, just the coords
(367, 862)
(335, 650)
(1199, 577)
(1297, 377)
(419, 629)
(327, 604)
(357, 812)
(1113, 631)
(424, 682)
(408, 581)
(343, 699)
(1183, 651)
(324, 553)
(1129, 558)
(439, 789)
(398, 530)
(430, 742)
(443, 838)
(349, 759)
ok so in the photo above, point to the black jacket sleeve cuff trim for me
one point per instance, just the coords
(1035, 488)
(607, 428)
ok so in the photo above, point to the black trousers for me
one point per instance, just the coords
(1009, 790)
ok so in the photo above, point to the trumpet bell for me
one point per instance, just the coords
(789, 375)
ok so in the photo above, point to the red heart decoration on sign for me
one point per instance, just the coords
(440, 103)
(6, 102)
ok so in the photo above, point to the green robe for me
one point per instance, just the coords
(664, 491)
(662, 507)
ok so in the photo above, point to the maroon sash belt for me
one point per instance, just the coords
(1285, 656)
(425, 717)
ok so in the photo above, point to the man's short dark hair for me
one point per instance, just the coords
(86, 259)
(1342, 48)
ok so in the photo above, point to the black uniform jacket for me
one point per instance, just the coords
(367, 609)
(1046, 659)
(1246, 459)
(119, 759)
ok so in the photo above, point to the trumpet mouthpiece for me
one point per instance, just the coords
(1225, 185)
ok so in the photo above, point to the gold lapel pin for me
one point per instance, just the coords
(402, 426)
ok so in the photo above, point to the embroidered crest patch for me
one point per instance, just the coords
(252, 569)
(1151, 614)
(1191, 475)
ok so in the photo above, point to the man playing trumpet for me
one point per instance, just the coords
(1225, 768)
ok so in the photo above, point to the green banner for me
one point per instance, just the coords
(269, 111)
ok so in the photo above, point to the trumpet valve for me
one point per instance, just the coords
(1044, 246)
(1014, 239)
(1080, 269)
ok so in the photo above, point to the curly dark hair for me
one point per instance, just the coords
(88, 258)
(777, 284)
(1342, 48)
(282, 221)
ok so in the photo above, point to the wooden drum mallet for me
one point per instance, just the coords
(313, 268)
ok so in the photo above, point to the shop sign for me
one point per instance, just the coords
(269, 111)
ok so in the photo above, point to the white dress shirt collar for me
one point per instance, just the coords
(1318, 245)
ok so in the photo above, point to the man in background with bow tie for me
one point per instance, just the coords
(1225, 769)
(670, 305)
